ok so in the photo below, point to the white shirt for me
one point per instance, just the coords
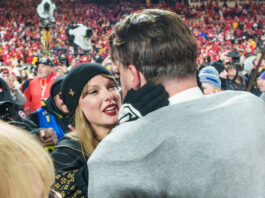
(186, 95)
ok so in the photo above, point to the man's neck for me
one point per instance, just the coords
(175, 86)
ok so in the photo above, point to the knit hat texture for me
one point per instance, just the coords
(210, 75)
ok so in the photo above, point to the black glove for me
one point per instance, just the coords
(143, 101)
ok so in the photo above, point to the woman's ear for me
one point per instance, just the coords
(138, 78)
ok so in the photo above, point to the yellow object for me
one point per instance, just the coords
(253, 44)
(46, 40)
(49, 148)
(35, 59)
(235, 25)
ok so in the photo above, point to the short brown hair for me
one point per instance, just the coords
(157, 42)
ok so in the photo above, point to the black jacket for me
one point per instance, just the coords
(11, 111)
(50, 107)
(233, 85)
(71, 168)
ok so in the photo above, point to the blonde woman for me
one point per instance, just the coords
(26, 169)
(91, 95)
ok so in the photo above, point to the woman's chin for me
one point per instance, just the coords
(112, 122)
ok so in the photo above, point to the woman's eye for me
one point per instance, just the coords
(112, 86)
(92, 92)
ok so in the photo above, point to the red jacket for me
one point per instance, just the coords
(38, 90)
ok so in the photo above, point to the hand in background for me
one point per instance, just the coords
(48, 137)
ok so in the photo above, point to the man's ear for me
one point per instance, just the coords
(138, 77)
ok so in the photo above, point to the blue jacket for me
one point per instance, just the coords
(47, 120)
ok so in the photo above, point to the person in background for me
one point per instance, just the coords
(195, 147)
(53, 113)
(15, 89)
(26, 169)
(240, 81)
(250, 68)
(232, 76)
(222, 73)
(12, 113)
(13, 78)
(60, 71)
(261, 85)
(232, 72)
(5, 75)
(39, 88)
(24, 80)
(210, 80)
(16, 93)
(107, 63)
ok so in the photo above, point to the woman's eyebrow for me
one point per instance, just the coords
(92, 86)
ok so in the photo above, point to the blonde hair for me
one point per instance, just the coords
(24, 164)
(86, 135)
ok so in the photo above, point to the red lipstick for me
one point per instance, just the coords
(110, 109)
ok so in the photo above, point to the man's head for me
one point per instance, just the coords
(261, 82)
(55, 93)
(210, 80)
(231, 72)
(45, 68)
(5, 75)
(156, 43)
(220, 68)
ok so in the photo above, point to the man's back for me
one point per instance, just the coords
(211, 147)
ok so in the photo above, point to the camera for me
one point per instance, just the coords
(80, 36)
(46, 13)
(89, 33)
(234, 55)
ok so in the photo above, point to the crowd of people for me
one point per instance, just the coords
(218, 29)
(153, 110)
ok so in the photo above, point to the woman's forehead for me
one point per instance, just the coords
(99, 80)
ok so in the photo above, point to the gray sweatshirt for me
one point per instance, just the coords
(211, 147)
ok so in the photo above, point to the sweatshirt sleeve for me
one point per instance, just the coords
(20, 97)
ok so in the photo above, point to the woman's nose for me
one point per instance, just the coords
(108, 95)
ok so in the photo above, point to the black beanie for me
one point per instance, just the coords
(75, 81)
(218, 66)
(56, 85)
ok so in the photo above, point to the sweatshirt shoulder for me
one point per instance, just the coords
(240, 97)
